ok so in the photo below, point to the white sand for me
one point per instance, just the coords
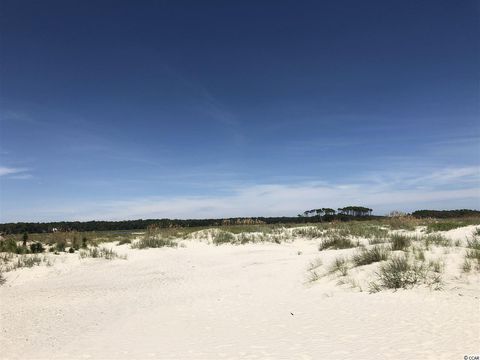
(218, 302)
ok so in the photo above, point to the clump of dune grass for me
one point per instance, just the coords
(360, 230)
(101, 252)
(313, 273)
(340, 265)
(368, 256)
(153, 238)
(436, 266)
(467, 266)
(337, 241)
(223, 237)
(472, 254)
(436, 239)
(418, 253)
(309, 232)
(403, 272)
(24, 261)
(400, 242)
(2, 279)
(146, 243)
(348, 280)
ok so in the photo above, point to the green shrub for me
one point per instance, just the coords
(9, 245)
(369, 256)
(36, 248)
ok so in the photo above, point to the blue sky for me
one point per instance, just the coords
(147, 109)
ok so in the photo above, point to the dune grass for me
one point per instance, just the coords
(101, 252)
(223, 237)
(400, 242)
(339, 266)
(337, 241)
(368, 256)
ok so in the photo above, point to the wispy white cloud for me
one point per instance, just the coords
(10, 170)
(277, 200)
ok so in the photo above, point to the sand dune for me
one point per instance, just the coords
(251, 301)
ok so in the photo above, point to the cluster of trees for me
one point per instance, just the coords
(445, 214)
(348, 210)
(318, 212)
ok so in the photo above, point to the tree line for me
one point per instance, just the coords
(140, 224)
(324, 214)
(445, 214)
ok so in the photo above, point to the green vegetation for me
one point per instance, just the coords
(12, 262)
(436, 239)
(340, 265)
(337, 241)
(400, 242)
(153, 238)
(369, 256)
(446, 214)
(401, 272)
(223, 237)
(472, 254)
(101, 252)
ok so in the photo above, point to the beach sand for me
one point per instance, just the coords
(253, 301)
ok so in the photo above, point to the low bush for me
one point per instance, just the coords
(9, 245)
(36, 248)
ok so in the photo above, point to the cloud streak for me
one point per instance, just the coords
(4, 171)
(280, 200)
